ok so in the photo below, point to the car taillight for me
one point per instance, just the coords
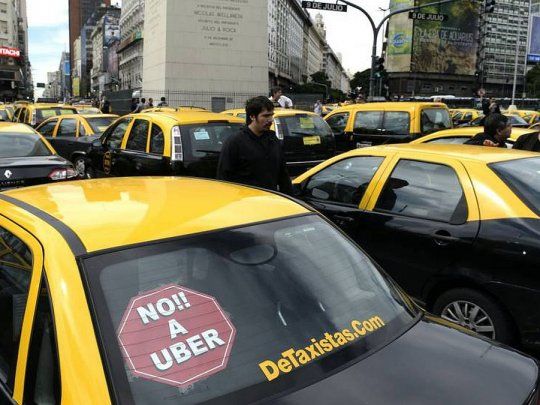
(34, 118)
(177, 148)
(62, 174)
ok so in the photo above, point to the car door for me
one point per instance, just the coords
(104, 152)
(48, 130)
(421, 220)
(21, 269)
(338, 123)
(133, 156)
(66, 135)
(340, 190)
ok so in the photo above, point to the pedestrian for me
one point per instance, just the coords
(279, 100)
(318, 107)
(134, 104)
(497, 129)
(528, 142)
(141, 106)
(163, 102)
(150, 102)
(106, 106)
(254, 155)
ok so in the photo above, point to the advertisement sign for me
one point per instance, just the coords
(446, 45)
(398, 54)
(10, 52)
(533, 55)
(175, 336)
(111, 30)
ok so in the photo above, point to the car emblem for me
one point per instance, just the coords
(8, 174)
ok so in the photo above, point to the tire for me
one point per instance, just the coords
(80, 166)
(466, 299)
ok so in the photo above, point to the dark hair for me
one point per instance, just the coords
(143, 99)
(275, 90)
(257, 105)
(162, 98)
(493, 123)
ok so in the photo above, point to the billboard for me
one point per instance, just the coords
(400, 30)
(446, 47)
(533, 54)
(111, 30)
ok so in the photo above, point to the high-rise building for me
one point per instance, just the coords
(503, 42)
(79, 12)
(130, 49)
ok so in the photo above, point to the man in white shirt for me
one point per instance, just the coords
(279, 99)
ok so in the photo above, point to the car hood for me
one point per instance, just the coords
(31, 161)
(431, 363)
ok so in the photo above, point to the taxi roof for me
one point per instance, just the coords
(143, 209)
(483, 154)
(84, 116)
(396, 106)
(278, 112)
(10, 127)
(190, 117)
(473, 131)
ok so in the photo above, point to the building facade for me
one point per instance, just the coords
(131, 47)
(64, 76)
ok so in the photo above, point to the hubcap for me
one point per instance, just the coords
(470, 316)
(80, 167)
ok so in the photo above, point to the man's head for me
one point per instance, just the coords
(259, 113)
(498, 127)
(276, 93)
(163, 99)
(143, 100)
(150, 100)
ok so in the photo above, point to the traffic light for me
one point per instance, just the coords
(490, 6)
(379, 68)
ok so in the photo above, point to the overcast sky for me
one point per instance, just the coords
(348, 34)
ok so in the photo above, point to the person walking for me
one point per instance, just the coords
(141, 105)
(163, 102)
(318, 107)
(497, 129)
(134, 104)
(254, 155)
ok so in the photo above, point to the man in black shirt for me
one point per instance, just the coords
(497, 129)
(254, 155)
(528, 142)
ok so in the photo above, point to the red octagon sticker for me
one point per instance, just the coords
(175, 336)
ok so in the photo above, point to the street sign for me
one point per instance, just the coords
(316, 5)
(416, 15)
(41, 85)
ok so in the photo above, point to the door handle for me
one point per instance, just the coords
(443, 238)
(341, 218)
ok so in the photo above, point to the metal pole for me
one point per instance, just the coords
(516, 64)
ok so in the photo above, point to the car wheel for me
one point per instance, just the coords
(80, 167)
(475, 311)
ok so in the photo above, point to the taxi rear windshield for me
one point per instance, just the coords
(298, 126)
(207, 139)
(100, 124)
(4, 116)
(22, 145)
(434, 119)
(44, 113)
(523, 177)
(239, 315)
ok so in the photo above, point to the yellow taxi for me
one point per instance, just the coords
(463, 134)
(6, 112)
(532, 117)
(35, 114)
(87, 109)
(175, 290)
(307, 138)
(328, 108)
(464, 115)
(362, 125)
(174, 109)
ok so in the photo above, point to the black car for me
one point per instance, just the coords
(184, 143)
(27, 159)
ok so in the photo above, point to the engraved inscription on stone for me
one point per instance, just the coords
(219, 21)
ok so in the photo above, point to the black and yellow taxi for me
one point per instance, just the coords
(460, 135)
(161, 143)
(514, 119)
(363, 125)
(27, 159)
(35, 114)
(307, 140)
(184, 108)
(530, 116)
(6, 112)
(464, 115)
(72, 134)
(87, 109)
(457, 226)
(183, 291)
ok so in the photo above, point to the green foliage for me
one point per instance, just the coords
(533, 82)
(361, 79)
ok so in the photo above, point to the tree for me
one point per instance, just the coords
(533, 82)
(361, 79)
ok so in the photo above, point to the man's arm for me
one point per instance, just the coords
(227, 164)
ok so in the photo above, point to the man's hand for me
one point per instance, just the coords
(487, 142)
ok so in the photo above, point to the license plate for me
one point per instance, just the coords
(312, 140)
(360, 145)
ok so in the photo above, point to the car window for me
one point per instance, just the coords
(457, 116)
(345, 181)
(82, 131)
(42, 378)
(4, 116)
(15, 274)
(368, 122)
(17, 113)
(116, 134)
(207, 139)
(43, 113)
(67, 128)
(48, 128)
(523, 177)
(157, 140)
(22, 145)
(138, 136)
(338, 122)
(516, 120)
(467, 117)
(237, 300)
(301, 125)
(455, 140)
(100, 124)
(424, 190)
(396, 123)
(434, 119)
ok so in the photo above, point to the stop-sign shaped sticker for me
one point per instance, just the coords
(175, 335)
